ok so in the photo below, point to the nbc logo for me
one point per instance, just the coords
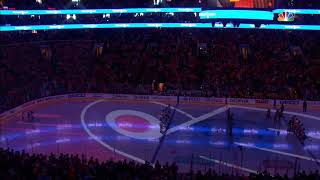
(286, 17)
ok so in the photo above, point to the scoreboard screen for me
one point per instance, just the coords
(244, 3)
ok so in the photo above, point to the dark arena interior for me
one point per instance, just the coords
(159, 89)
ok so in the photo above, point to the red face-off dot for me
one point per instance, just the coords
(132, 123)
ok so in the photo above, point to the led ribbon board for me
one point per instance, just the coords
(236, 14)
(158, 25)
(281, 26)
(102, 26)
(207, 14)
(98, 11)
(297, 11)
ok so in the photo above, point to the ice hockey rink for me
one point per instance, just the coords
(119, 128)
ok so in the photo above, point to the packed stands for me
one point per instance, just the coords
(21, 165)
(218, 63)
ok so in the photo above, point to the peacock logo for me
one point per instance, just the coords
(286, 17)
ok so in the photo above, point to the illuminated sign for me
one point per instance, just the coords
(158, 25)
(236, 14)
(297, 11)
(98, 11)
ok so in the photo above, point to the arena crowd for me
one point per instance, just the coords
(21, 165)
(198, 62)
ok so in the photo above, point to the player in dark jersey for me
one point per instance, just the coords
(268, 115)
(305, 106)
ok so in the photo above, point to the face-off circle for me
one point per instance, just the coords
(135, 124)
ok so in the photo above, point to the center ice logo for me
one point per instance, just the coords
(135, 124)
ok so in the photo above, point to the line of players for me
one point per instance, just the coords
(276, 119)
(294, 124)
(165, 119)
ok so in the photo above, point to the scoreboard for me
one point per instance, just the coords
(242, 3)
